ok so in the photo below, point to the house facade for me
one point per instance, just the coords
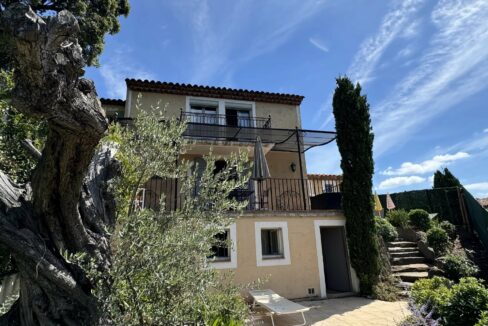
(292, 232)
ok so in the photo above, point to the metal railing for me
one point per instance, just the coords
(266, 195)
(226, 120)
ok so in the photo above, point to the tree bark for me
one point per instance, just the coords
(67, 207)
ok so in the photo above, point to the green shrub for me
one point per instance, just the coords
(433, 292)
(457, 266)
(385, 291)
(468, 299)
(449, 228)
(419, 218)
(483, 321)
(385, 229)
(438, 239)
(398, 218)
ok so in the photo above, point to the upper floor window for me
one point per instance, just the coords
(220, 111)
(203, 111)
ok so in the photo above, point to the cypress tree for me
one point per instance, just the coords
(446, 179)
(355, 142)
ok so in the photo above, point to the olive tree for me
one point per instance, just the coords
(66, 206)
(160, 273)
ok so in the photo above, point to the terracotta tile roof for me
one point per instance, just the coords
(216, 92)
(109, 101)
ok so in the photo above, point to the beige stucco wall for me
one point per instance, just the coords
(291, 281)
(171, 103)
(282, 115)
(110, 110)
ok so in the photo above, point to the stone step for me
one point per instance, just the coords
(411, 276)
(415, 253)
(410, 268)
(404, 285)
(401, 249)
(402, 244)
(407, 260)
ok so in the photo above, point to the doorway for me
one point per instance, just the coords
(335, 260)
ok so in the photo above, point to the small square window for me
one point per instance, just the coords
(221, 250)
(272, 243)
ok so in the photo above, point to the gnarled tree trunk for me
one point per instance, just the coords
(67, 206)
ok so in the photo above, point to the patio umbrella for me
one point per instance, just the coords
(389, 202)
(260, 169)
(377, 204)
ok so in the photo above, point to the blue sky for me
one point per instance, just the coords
(423, 65)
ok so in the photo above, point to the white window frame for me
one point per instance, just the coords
(272, 261)
(232, 263)
(221, 105)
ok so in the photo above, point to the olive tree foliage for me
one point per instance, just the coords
(160, 273)
(16, 158)
(355, 142)
(95, 19)
(66, 207)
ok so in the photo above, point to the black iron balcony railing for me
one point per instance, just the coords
(267, 195)
(226, 120)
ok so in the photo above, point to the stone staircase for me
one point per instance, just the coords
(407, 262)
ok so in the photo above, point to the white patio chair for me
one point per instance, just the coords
(277, 305)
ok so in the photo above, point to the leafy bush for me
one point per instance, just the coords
(449, 228)
(438, 239)
(385, 291)
(385, 229)
(468, 299)
(419, 218)
(433, 292)
(457, 266)
(483, 321)
(398, 218)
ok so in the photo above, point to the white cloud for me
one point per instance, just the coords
(401, 181)
(427, 166)
(318, 44)
(115, 68)
(453, 67)
(485, 130)
(480, 186)
(394, 24)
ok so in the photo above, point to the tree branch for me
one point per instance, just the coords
(33, 151)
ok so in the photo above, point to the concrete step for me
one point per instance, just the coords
(407, 260)
(404, 285)
(410, 268)
(415, 253)
(411, 276)
(402, 244)
(401, 249)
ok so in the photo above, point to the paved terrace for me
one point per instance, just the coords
(352, 311)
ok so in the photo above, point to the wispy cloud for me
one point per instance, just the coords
(223, 41)
(395, 24)
(485, 130)
(396, 182)
(427, 166)
(453, 67)
(398, 22)
(118, 66)
(318, 44)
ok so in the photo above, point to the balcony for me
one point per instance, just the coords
(226, 120)
(317, 193)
